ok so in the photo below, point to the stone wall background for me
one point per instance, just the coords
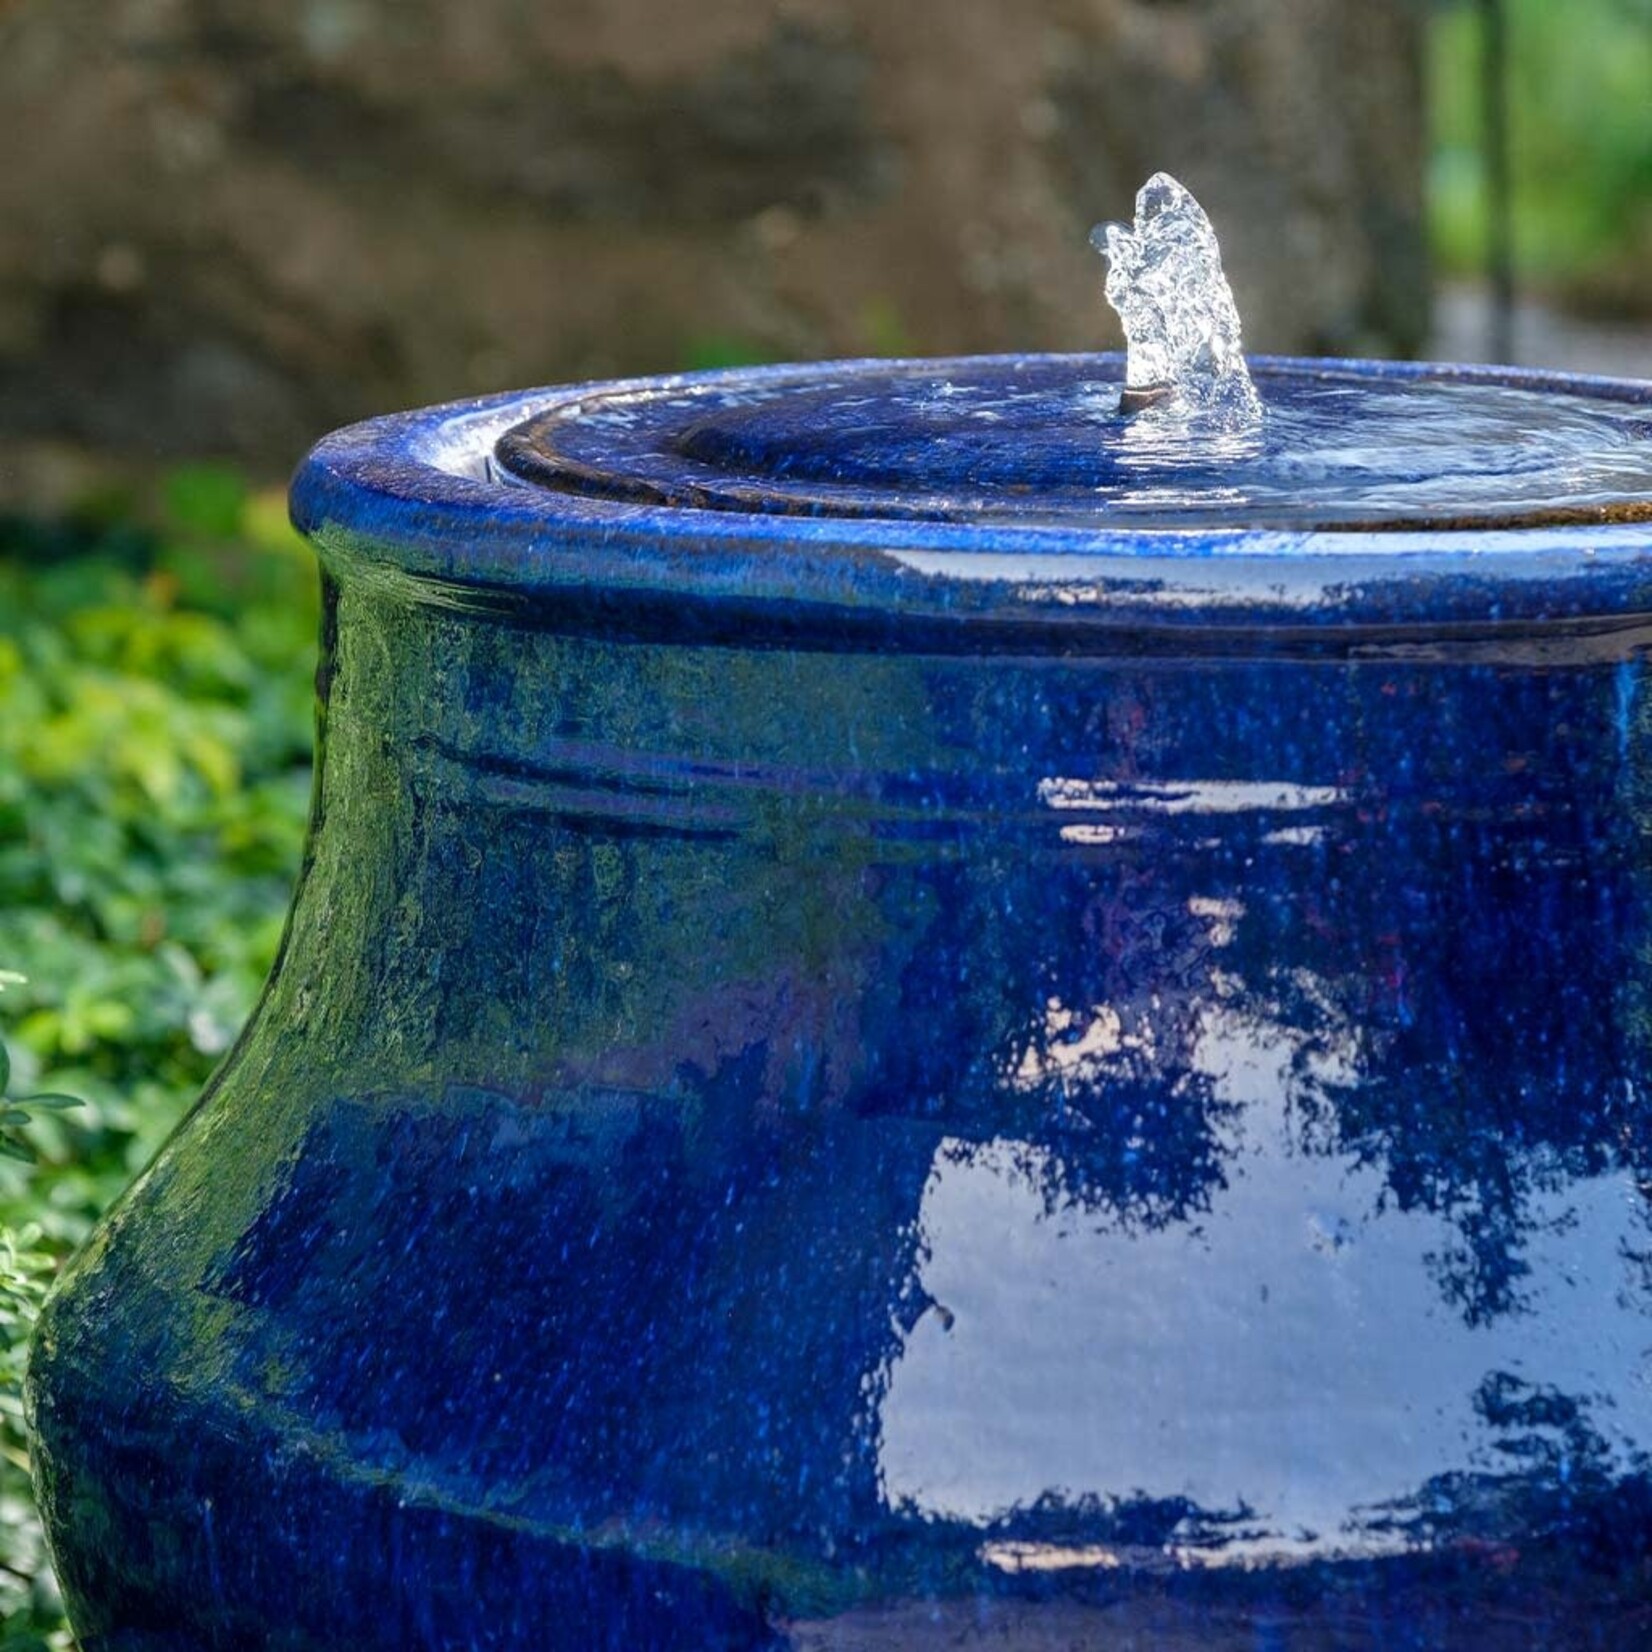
(226, 225)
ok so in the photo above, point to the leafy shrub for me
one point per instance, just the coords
(156, 719)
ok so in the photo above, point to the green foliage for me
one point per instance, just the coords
(885, 332)
(1580, 138)
(156, 721)
(701, 351)
(30, 1613)
(206, 499)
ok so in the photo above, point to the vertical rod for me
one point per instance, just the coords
(1494, 127)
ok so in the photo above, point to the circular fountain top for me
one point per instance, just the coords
(1003, 500)
(1043, 442)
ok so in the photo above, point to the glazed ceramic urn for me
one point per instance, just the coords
(919, 1015)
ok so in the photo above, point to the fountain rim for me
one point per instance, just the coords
(403, 501)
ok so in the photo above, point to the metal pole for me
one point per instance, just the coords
(1494, 110)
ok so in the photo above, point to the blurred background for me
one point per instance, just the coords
(229, 225)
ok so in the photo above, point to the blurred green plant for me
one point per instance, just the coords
(884, 329)
(30, 1611)
(156, 723)
(703, 351)
(1581, 147)
(20, 1110)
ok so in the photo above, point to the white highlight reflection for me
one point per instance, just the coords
(1290, 1349)
(1179, 797)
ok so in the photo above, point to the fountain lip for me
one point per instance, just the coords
(416, 500)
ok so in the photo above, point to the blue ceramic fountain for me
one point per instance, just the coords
(925, 1012)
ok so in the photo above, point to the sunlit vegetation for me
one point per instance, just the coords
(155, 737)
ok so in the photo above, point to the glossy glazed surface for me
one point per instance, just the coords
(419, 495)
(778, 1133)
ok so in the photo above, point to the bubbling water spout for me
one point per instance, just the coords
(1164, 277)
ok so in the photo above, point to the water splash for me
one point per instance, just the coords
(1164, 277)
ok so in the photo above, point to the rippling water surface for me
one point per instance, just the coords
(1046, 443)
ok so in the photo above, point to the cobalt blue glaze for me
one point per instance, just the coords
(844, 1082)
